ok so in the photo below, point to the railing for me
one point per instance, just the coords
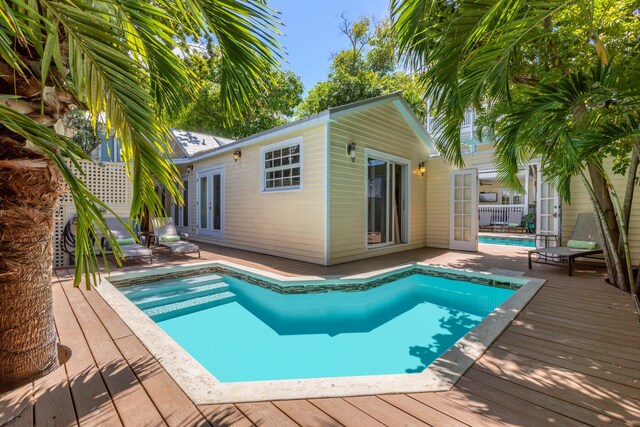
(500, 213)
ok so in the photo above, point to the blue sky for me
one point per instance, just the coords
(312, 34)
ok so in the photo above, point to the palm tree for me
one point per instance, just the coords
(532, 64)
(120, 61)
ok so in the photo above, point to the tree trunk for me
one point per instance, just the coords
(620, 277)
(29, 189)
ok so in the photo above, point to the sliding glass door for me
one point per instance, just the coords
(387, 205)
(210, 203)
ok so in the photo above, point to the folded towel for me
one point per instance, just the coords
(125, 242)
(170, 238)
(579, 244)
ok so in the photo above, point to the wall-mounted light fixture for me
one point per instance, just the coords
(351, 151)
(189, 168)
(422, 168)
(236, 155)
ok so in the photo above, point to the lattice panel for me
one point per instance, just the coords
(59, 257)
(109, 182)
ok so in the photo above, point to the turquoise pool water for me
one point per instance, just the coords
(529, 243)
(248, 333)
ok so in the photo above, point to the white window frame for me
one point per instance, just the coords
(263, 171)
(379, 155)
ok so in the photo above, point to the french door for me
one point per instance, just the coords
(181, 213)
(547, 207)
(210, 202)
(387, 201)
(464, 210)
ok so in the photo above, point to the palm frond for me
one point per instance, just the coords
(118, 58)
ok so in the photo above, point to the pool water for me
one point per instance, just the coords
(250, 333)
(526, 242)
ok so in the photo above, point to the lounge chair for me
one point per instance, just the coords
(130, 249)
(166, 235)
(485, 220)
(514, 222)
(584, 243)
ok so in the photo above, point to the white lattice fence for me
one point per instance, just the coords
(109, 182)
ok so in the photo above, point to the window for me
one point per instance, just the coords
(181, 213)
(282, 165)
(509, 197)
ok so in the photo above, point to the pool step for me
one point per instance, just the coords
(137, 292)
(181, 308)
(164, 297)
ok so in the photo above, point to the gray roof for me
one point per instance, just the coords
(194, 143)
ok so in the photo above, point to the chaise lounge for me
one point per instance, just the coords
(130, 249)
(166, 235)
(584, 243)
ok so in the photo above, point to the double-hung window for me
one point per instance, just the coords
(282, 165)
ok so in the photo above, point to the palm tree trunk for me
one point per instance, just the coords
(621, 279)
(29, 189)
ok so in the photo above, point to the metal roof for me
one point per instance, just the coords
(194, 143)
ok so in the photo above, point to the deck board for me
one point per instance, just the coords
(570, 358)
(265, 414)
(131, 400)
(305, 414)
(465, 413)
(421, 411)
(347, 414)
(226, 415)
(386, 413)
(542, 399)
(92, 401)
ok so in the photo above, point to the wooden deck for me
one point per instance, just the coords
(572, 357)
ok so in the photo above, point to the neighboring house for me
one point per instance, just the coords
(452, 206)
(468, 139)
(341, 185)
(109, 150)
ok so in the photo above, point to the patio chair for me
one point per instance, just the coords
(484, 222)
(166, 235)
(130, 249)
(514, 222)
(584, 243)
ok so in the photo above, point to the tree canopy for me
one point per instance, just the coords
(555, 79)
(368, 69)
(274, 106)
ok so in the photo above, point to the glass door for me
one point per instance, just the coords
(547, 207)
(210, 203)
(386, 202)
(464, 208)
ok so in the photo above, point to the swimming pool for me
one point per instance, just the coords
(508, 241)
(242, 332)
(342, 337)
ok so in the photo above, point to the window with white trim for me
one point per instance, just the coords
(282, 166)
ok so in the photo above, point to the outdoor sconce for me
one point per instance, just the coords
(351, 151)
(236, 155)
(189, 169)
(422, 168)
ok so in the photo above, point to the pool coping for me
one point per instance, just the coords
(203, 388)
